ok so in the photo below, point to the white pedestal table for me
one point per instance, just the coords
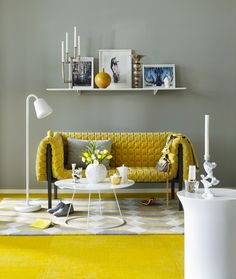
(210, 234)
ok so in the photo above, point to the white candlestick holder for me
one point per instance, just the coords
(208, 180)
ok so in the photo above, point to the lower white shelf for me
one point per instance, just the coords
(81, 90)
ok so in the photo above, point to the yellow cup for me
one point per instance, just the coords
(115, 180)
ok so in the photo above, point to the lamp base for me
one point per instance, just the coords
(30, 207)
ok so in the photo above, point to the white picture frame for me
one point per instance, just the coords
(154, 75)
(118, 64)
(85, 77)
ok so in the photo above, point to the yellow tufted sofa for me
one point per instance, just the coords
(139, 151)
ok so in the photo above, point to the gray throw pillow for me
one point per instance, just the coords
(77, 146)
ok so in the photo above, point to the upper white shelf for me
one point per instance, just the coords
(80, 90)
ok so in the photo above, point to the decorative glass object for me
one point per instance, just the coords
(209, 179)
(191, 186)
(76, 173)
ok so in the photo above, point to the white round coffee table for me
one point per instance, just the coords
(85, 186)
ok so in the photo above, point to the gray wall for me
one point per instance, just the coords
(198, 36)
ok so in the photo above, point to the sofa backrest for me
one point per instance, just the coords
(131, 149)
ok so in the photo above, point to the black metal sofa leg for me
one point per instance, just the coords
(180, 169)
(49, 194)
(55, 192)
(180, 188)
(49, 174)
(172, 190)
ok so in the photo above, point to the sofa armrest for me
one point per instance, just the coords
(56, 143)
(189, 155)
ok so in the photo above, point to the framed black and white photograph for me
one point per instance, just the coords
(82, 73)
(159, 75)
(118, 64)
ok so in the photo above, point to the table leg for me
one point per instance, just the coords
(72, 199)
(117, 203)
(100, 205)
(88, 209)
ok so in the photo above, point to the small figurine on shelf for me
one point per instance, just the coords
(137, 69)
(167, 81)
(76, 173)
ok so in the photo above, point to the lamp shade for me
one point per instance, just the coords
(42, 108)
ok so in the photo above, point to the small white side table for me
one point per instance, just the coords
(84, 185)
(210, 234)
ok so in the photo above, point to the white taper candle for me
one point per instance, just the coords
(78, 45)
(207, 125)
(75, 37)
(67, 51)
(192, 173)
(62, 52)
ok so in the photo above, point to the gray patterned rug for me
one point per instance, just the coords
(140, 219)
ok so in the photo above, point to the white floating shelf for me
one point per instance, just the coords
(80, 90)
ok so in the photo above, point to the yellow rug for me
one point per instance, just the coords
(92, 257)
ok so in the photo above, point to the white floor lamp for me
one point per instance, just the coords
(42, 110)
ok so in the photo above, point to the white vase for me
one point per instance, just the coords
(96, 173)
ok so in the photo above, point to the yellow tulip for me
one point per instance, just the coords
(109, 157)
(99, 156)
(105, 151)
(86, 154)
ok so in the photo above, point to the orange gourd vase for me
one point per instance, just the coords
(102, 79)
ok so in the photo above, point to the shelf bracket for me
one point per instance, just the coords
(155, 92)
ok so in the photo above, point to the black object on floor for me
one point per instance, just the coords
(63, 211)
(56, 208)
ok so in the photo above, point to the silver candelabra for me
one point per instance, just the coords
(67, 67)
(67, 60)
